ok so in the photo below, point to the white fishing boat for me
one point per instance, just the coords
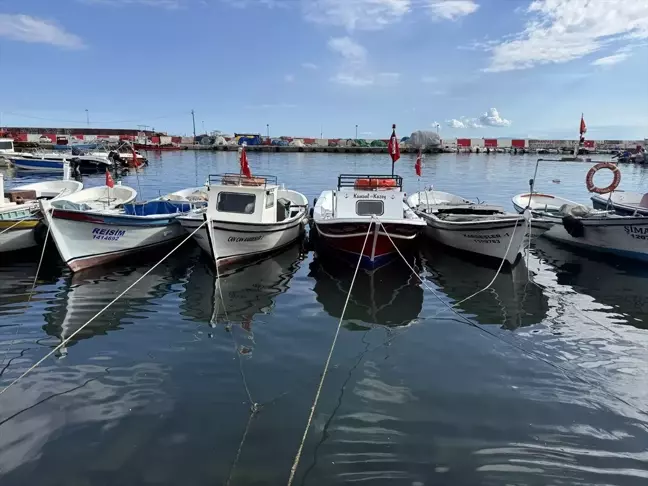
(622, 202)
(100, 225)
(19, 211)
(478, 228)
(246, 217)
(7, 150)
(342, 219)
(542, 207)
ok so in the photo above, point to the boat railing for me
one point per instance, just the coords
(372, 181)
(234, 179)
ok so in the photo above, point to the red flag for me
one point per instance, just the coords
(245, 168)
(136, 162)
(417, 166)
(583, 127)
(109, 180)
(393, 147)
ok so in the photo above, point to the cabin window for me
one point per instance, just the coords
(235, 202)
(370, 208)
(6, 145)
(270, 200)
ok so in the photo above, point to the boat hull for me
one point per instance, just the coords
(603, 203)
(86, 240)
(626, 237)
(42, 165)
(348, 240)
(18, 235)
(490, 239)
(229, 243)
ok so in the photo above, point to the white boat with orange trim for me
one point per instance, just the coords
(19, 212)
(542, 207)
(342, 219)
(246, 217)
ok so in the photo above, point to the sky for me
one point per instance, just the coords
(467, 68)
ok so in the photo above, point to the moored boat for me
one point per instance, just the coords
(622, 202)
(100, 225)
(246, 217)
(542, 207)
(361, 205)
(478, 228)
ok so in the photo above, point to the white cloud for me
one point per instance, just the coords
(168, 4)
(31, 29)
(492, 118)
(564, 30)
(610, 60)
(451, 9)
(350, 79)
(454, 123)
(356, 14)
(309, 65)
(289, 78)
(429, 79)
(348, 48)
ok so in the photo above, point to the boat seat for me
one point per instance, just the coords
(644, 201)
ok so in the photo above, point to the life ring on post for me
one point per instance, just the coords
(589, 180)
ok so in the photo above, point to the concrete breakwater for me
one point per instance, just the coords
(334, 150)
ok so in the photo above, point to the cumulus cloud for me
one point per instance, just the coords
(25, 28)
(451, 9)
(491, 118)
(563, 30)
(356, 14)
(348, 49)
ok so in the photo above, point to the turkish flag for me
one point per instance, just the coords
(109, 180)
(245, 168)
(583, 127)
(393, 147)
(417, 166)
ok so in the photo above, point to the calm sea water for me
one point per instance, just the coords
(533, 383)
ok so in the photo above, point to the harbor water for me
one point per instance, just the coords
(539, 380)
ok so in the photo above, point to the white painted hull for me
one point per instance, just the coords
(488, 239)
(228, 242)
(17, 239)
(627, 237)
(85, 244)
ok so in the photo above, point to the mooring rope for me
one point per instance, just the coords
(293, 469)
(31, 294)
(67, 340)
(20, 220)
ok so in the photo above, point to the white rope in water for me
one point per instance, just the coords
(67, 340)
(293, 469)
(31, 293)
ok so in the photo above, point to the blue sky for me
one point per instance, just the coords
(477, 68)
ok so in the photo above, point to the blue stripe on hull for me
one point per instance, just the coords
(34, 164)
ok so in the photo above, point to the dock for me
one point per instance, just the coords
(310, 148)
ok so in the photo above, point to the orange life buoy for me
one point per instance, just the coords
(375, 183)
(589, 180)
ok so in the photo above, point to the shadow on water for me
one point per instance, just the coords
(512, 301)
(615, 282)
(390, 296)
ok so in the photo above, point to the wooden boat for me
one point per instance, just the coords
(341, 219)
(542, 207)
(246, 217)
(478, 228)
(622, 202)
(19, 211)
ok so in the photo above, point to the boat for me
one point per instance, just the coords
(542, 206)
(365, 204)
(102, 224)
(156, 148)
(7, 150)
(19, 211)
(247, 217)
(85, 164)
(603, 231)
(478, 228)
(622, 202)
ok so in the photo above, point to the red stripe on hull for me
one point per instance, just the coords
(75, 216)
(353, 244)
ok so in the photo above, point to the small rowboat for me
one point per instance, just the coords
(543, 208)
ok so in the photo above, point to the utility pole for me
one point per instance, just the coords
(356, 132)
(87, 117)
(268, 130)
(193, 118)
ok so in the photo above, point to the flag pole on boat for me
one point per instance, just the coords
(393, 147)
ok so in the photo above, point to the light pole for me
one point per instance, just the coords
(268, 130)
(87, 117)
(356, 132)
(193, 119)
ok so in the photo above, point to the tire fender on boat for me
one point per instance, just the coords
(589, 180)
(573, 226)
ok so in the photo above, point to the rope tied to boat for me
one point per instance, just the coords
(293, 469)
(20, 220)
(71, 336)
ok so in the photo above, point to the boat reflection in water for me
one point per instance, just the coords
(615, 282)
(87, 292)
(247, 290)
(391, 296)
(512, 301)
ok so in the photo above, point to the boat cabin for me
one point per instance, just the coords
(364, 196)
(6, 145)
(238, 199)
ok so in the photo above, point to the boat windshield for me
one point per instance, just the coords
(6, 145)
(235, 202)
(370, 208)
